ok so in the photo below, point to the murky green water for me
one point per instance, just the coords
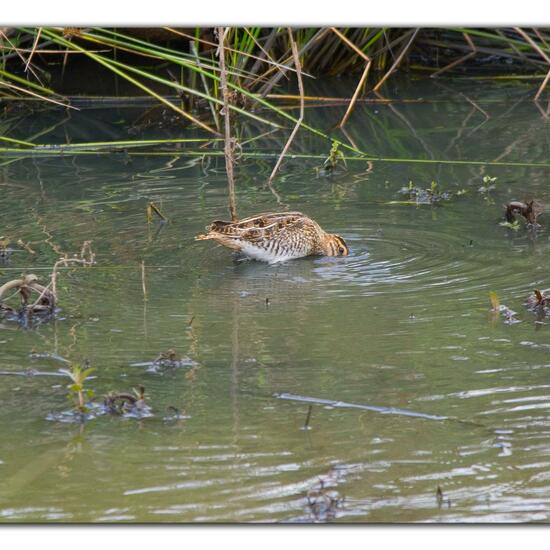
(402, 322)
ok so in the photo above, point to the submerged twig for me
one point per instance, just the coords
(143, 286)
(45, 303)
(527, 210)
(152, 208)
(26, 246)
(342, 404)
(87, 258)
(308, 418)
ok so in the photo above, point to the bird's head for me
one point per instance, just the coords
(336, 246)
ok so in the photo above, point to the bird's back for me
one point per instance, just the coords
(270, 237)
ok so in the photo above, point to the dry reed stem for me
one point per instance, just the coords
(520, 54)
(459, 60)
(351, 106)
(533, 44)
(542, 54)
(20, 55)
(349, 43)
(363, 78)
(205, 86)
(298, 65)
(397, 61)
(35, 94)
(56, 52)
(267, 46)
(228, 49)
(228, 145)
(35, 43)
(540, 37)
(264, 52)
(275, 79)
(542, 86)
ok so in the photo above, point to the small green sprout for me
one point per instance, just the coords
(77, 392)
(489, 183)
(514, 226)
(331, 162)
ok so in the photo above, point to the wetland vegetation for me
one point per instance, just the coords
(147, 377)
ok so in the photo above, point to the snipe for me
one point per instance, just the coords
(276, 237)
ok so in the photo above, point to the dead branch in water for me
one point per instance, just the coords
(301, 117)
(527, 210)
(228, 145)
(27, 247)
(152, 208)
(45, 303)
(86, 258)
(361, 406)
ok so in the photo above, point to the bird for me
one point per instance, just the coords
(276, 237)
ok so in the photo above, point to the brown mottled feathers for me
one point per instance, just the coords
(275, 237)
(265, 223)
(255, 227)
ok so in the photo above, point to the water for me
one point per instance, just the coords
(403, 322)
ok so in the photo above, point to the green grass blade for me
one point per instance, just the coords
(17, 141)
(110, 64)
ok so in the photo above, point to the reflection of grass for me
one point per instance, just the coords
(84, 149)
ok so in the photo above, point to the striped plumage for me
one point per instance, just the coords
(276, 237)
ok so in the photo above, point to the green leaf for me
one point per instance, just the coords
(86, 373)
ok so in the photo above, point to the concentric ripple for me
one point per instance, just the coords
(413, 259)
